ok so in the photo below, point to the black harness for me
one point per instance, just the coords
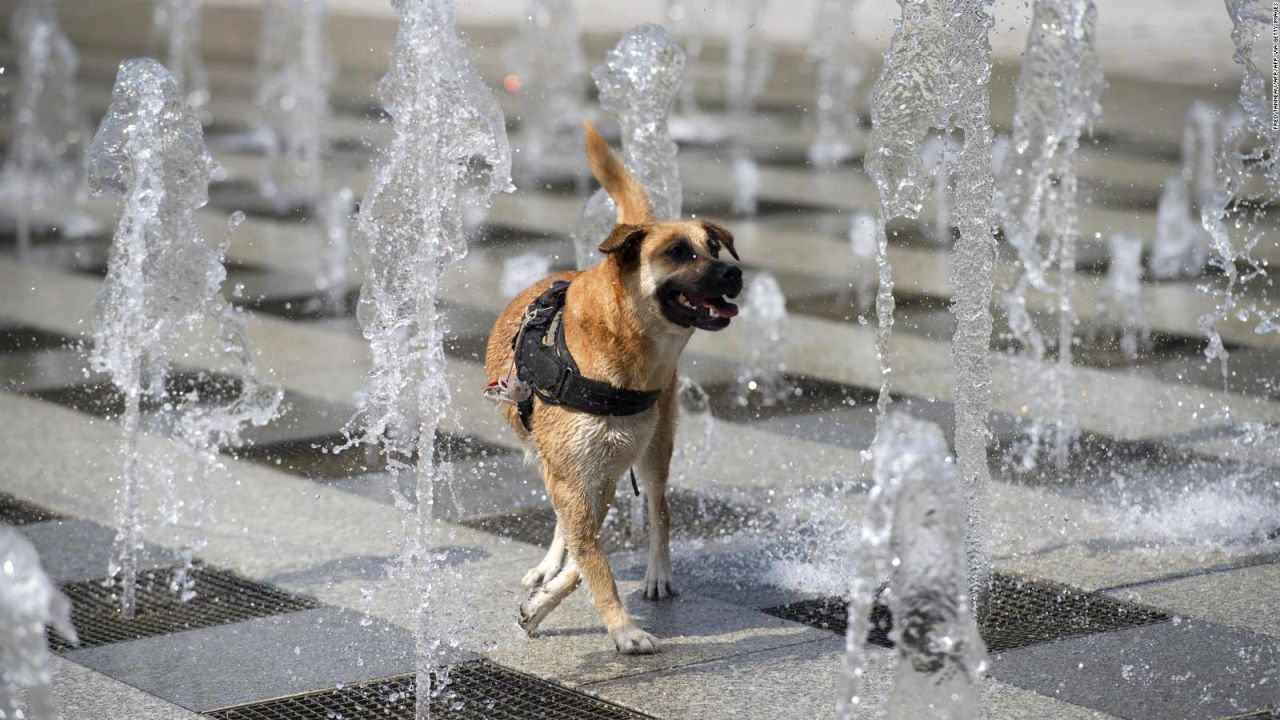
(553, 376)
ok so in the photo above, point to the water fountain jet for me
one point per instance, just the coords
(162, 286)
(42, 180)
(1057, 102)
(294, 71)
(546, 55)
(841, 68)
(177, 27)
(447, 128)
(637, 81)
(29, 605)
(939, 63)
(912, 548)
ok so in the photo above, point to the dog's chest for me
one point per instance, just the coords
(602, 443)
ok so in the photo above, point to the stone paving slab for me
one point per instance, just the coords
(1247, 598)
(762, 685)
(256, 659)
(80, 693)
(1190, 669)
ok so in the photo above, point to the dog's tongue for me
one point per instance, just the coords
(718, 306)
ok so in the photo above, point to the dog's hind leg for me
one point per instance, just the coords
(551, 564)
(654, 467)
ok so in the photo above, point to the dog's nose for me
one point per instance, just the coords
(729, 273)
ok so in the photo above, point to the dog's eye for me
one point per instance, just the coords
(680, 252)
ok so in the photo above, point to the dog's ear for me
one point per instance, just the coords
(627, 192)
(624, 241)
(721, 235)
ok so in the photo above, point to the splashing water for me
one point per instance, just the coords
(863, 242)
(29, 602)
(1120, 303)
(691, 456)
(1181, 245)
(765, 318)
(546, 55)
(162, 285)
(746, 183)
(292, 98)
(176, 25)
(43, 176)
(912, 537)
(637, 82)
(935, 163)
(1057, 101)
(448, 128)
(336, 210)
(1248, 156)
(841, 67)
(521, 271)
(939, 63)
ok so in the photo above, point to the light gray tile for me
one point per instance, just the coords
(83, 694)
(1189, 669)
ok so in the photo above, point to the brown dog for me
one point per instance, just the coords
(626, 320)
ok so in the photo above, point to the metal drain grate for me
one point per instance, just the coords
(693, 515)
(477, 690)
(16, 511)
(831, 613)
(1028, 611)
(1023, 611)
(221, 597)
(314, 457)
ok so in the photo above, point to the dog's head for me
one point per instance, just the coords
(683, 269)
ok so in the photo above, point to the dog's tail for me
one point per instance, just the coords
(617, 180)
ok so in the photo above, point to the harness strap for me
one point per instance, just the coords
(549, 368)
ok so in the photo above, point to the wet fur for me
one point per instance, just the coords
(616, 332)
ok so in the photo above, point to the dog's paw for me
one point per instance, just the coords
(658, 585)
(532, 613)
(631, 640)
(537, 577)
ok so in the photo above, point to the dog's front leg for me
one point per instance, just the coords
(580, 521)
(654, 468)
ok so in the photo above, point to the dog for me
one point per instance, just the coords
(625, 321)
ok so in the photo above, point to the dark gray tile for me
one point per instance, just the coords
(74, 550)
(257, 659)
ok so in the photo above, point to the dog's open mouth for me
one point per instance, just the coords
(687, 309)
(716, 306)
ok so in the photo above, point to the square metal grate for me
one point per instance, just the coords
(16, 511)
(478, 690)
(832, 613)
(1028, 611)
(221, 597)
(1022, 611)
